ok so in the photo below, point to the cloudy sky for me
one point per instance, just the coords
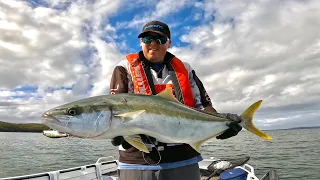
(57, 51)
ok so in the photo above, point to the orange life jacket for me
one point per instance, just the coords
(141, 85)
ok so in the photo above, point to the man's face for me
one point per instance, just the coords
(153, 51)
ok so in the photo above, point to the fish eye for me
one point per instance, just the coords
(73, 112)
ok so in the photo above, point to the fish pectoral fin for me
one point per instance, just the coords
(136, 141)
(130, 115)
(167, 94)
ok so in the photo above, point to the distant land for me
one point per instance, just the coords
(32, 127)
(311, 127)
(292, 128)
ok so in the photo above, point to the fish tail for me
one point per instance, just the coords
(247, 123)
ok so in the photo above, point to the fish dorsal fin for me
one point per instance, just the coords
(130, 115)
(136, 141)
(167, 94)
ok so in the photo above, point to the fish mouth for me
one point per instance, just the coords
(47, 118)
(54, 123)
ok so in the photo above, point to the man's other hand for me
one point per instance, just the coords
(234, 127)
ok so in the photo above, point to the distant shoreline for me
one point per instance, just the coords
(30, 127)
(311, 127)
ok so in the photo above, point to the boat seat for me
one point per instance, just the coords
(213, 167)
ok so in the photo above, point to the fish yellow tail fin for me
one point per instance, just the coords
(247, 123)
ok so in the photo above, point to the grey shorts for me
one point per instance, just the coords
(190, 172)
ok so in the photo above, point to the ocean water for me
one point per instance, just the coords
(294, 154)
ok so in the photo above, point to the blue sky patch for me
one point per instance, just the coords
(27, 88)
(38, 3)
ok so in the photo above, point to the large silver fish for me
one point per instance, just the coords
(160, 116)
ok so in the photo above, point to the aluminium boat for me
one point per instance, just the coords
(106, 169)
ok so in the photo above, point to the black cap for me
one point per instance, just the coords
(157, 27)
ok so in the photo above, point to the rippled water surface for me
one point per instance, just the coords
(295, 154)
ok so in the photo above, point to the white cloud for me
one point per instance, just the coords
(10, 93)
(166, 7)
(155, 10)
(51, 48)
(257, 50)
(107, 58)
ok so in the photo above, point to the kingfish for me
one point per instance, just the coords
(160, 116)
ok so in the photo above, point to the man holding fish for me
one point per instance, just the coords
(149, 72)
(158, 113)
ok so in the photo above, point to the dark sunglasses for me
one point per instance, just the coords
(158, 39)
